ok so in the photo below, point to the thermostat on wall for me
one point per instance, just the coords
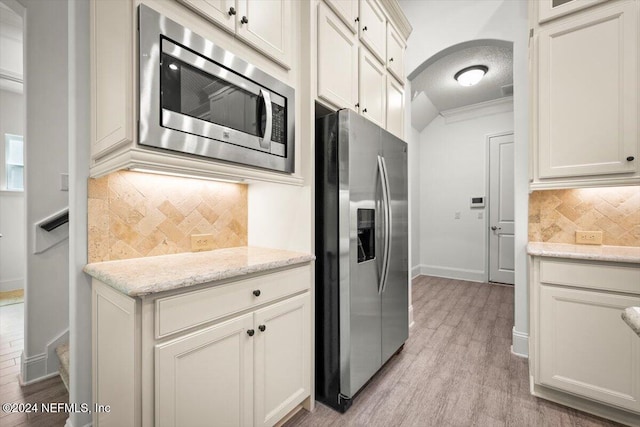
(477, 202)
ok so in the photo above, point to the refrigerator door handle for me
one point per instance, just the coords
(386, 207)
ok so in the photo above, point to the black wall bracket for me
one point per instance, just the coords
(56, 221)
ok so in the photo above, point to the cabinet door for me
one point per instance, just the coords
(395, 107)
(551, 9)
(347, 10)
(395, 53)
(220, 12)
(585, 347)
(267, 26)
(372, 88)
(204, 373)
(111, 38)
(282, 359)
(373, 28)
(588, 94)
(337, 61)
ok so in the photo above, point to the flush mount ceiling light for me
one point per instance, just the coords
(471, 75)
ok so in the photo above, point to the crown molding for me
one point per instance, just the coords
(495, 106)
(398, 17)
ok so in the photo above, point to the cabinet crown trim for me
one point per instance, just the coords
(398, 17)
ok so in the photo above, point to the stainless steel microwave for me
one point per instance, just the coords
(200, 99)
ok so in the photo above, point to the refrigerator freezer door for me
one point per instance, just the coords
(395, 298)
(360, 315)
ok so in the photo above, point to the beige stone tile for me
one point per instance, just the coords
(124, 211)
(121, 250)
(97, 188)
(171, 212)
(190, 222)
(171, 231)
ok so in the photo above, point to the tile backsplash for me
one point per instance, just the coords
(555, 215)
(134, 215)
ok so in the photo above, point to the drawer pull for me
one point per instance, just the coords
(257, 292)
(262, 328)
(250, 332)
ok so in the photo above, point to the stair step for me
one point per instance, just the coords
(63, 354)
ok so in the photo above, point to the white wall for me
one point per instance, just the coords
(47, 296)
(12, 222)
(79, 282)
(453, 160)
(441, 24)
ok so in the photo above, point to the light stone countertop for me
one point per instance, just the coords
(631, 315)
(630, 254)
(142, 276)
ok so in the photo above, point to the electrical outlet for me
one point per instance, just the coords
(201, 242)
(589, 237)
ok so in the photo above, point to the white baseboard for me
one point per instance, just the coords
(11, 284)
(411, 316)
(520, 343)
(44, 365)
(453, 273)
(415, 272)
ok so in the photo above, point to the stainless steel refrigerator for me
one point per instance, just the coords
(361, 253)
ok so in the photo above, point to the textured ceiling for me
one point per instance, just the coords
(437, 82)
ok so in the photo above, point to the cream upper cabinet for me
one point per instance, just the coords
(337, 60)
(395, 53)
(550, 9)
(395, 107)
(347, 10)
(264, 24)
(586, 98)
(267, 26)
(372, 88)
(221, 12)
(373, 29)
(282, 358)
(111, 69)
(208, 371)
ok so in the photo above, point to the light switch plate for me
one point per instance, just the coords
(201, 242)
(589, 237)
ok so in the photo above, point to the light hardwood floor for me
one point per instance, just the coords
(456, 369)
(49, 391)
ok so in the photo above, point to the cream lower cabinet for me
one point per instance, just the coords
(580, 345)
(233, 354)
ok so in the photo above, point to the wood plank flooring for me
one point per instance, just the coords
(50, 390)
(456, 369)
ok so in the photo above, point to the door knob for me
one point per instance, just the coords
(257, 292)
(494, 228)
(244, 20)
(262, 328)
(630, 159)
(250, 332)
(232, 11)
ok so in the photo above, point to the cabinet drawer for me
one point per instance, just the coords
(180, 312)
(619, 277)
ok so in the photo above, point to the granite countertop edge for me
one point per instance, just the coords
(631, 316)
(626, 254)
(208, 269)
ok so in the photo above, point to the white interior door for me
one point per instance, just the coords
(501, 209)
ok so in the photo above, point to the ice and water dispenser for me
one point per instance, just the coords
(366, 234)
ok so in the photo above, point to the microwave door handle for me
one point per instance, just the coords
(265, 142)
